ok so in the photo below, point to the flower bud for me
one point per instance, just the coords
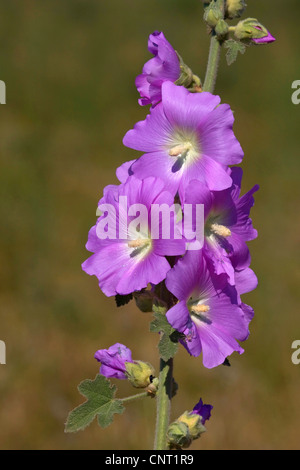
(189, 426)
(235, 8)
(194, 423)
(221, 28)
(252, 31)
(178, 435)
(212, 15)
(153, 387)
(140, 374)
(113, 360)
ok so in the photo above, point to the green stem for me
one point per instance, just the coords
(213, 64)
(213, 59)
(164, 396)
(134, 397)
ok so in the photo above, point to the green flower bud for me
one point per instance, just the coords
(250, 29)
(153, 387)
(187, 78)
(212, 16)
(140, 374)
(235, 8)
(178, 435)
(193, 422)
(221, 28)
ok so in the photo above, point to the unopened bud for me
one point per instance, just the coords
(187, 78)
(140, 374)
(235, 8)
(153, 387)
(178, 435)
(212, 14)
(193, 422)
(251, 30)
(221, 28)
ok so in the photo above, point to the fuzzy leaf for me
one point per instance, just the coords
(100, 402)
(233, 48)
(169, 337)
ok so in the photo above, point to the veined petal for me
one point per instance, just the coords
(178, 317)
(217, 137)
(184, 109)
(217, 346)
(149, 135)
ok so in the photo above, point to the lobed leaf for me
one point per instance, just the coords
(169, 337)
(100, 402)
(233, 48)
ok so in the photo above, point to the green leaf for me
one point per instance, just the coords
(233, 48)
(100, 402)
(169, 337)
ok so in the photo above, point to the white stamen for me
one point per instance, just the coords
(180, 149)
(138, 243)
(221, 230)
(200, 308)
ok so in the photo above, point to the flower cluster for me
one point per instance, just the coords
(188, 146)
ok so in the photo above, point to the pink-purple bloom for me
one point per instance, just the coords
(164, 66)
(227, 223)
(207, 312)
(113, 361)
(188, 144)
(202, 410)
(265, 39)
(130, 258)
(188, 136)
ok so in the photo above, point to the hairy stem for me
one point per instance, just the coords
(134, 397)
(213, 64)
(213, 59)
(164, 397)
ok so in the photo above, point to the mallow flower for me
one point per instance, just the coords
(251, 31)
(189, 426)
(113, 361)
(188, 136)
(227, 225)
(265, 39)
(117, 363)
(128, 243)
(164, 66)
(245, 281)
(202, 410)
(207, 312)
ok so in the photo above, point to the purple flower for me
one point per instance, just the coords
(163, 66)
(113, 361)
(202, 410)
(131, 258)
(124, 171)
(227, 224)
(207, 313)
(245, 281)
(264, 40)
(187, 136)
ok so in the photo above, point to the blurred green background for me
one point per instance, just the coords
(69, 67)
